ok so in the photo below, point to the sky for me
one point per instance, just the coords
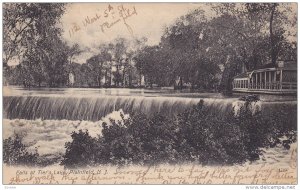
(89, 24)
(92, 24)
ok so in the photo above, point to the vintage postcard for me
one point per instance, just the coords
(150, 93)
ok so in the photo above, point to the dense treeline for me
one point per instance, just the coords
(199, 50)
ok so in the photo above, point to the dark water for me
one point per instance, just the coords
(93, 104)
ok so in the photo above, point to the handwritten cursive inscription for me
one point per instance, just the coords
(126, 13)
(107, 25)
(106, 19)
(163, 174)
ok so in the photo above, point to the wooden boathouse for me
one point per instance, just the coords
(281, 79)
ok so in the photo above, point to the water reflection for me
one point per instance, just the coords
(19, 91)
(95, 92)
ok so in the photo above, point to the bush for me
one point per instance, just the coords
(209, 138)
(153, 140)
(81, 151)
(16, 153)
(196, 135)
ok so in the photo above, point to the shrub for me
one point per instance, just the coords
(81, 151)
(209, 138)
(140, 140)
(196, 135)
(155, 138)
(16, 153)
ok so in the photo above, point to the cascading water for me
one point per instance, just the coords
(47, 118)
(94, 108)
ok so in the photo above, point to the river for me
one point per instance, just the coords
(45, 117)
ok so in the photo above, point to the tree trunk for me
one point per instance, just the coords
(130, 80)
(105, 81)
(227, 78)
(5, 65)
(273, 53)
(117, 78)
(70, 60)
(123, 78)
(110, 73)
(140, 81)
(181, 83)
(99, 81)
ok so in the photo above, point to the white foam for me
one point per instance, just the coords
(50, 136)
(253, 106)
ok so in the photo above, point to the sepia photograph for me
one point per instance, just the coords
(149, 93)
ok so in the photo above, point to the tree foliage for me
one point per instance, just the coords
(197, 135)
(32, 37)
(254, 34)
(198, 50)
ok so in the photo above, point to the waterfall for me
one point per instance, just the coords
(47, 120)
(94, 108)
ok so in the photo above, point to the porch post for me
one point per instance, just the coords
(270, 79)
(275, 86)
(265, 85)
(248, 86)
(260, 76)
(281, 79)
(255, 80)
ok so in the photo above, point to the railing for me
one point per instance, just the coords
(273, 86)
(289, 85)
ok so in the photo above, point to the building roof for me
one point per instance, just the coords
(242, 75)
(289, 64)
(284, 65)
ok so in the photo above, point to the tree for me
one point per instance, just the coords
(269, 8)
(131, 72)
(150, 62)
(269, 22)
(31, 34)
(72, 51)
(100, 64)
(119, 57)
(250, 35)
(186, 42)
(21, 19)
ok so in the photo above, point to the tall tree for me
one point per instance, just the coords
(186, 42)
(255, 34)
(73, 51)
(100, 63)
(31, 34)
(120, 48)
